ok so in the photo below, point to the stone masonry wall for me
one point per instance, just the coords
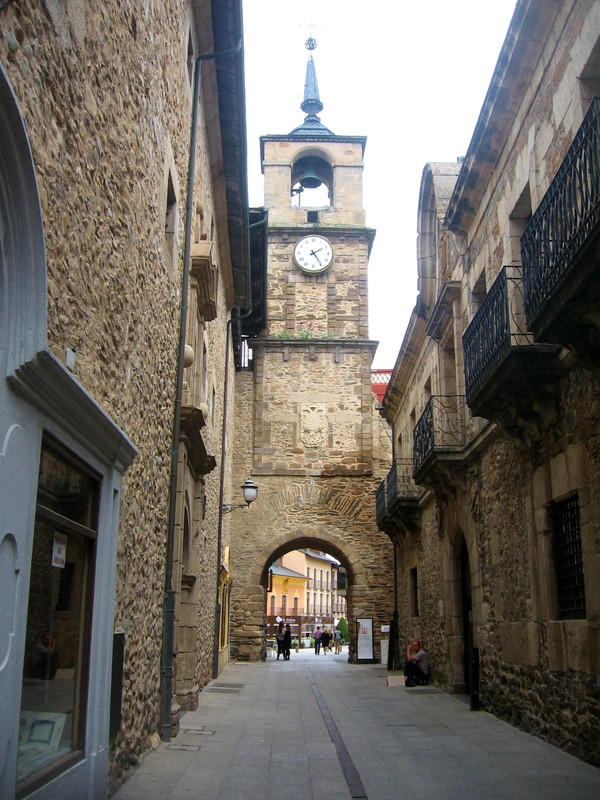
(105, 93)
(313, 408)
(335, 514)
(332, 305)
(537, 670)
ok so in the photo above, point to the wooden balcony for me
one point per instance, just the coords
(509, 378)
(560, 249)
(397, 499)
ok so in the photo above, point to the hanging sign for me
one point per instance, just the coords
(59, 550)
(364, 639)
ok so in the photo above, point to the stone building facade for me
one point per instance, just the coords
(493, 499)
(309, 431)
(100, 548)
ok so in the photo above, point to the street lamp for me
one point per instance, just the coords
(250, 492)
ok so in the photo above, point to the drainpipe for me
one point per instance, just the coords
(169, 599)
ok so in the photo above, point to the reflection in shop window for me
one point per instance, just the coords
(55, 669)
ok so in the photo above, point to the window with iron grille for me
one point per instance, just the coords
(414, 592)
(568, 559)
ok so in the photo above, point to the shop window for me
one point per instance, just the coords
(65, 585)
(55, 669)
(568, 559)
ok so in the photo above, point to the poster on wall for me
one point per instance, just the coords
(364, 639)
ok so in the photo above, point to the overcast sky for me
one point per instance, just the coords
(410, 76)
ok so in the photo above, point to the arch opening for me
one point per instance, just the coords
(312, 182)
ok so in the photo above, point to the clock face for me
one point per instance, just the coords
(313, 254)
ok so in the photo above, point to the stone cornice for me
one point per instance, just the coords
(316, 139)
(347, 345)
(521, 50)
(51, 388)
(324, 230)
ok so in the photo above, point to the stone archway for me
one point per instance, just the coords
(334, 515)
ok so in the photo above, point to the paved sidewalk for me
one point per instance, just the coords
(318, 728)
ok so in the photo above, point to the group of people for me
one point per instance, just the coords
(283, 636)
(416, 666)
(323, 639)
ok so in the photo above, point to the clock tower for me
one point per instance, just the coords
(313, 361)
(316, 447)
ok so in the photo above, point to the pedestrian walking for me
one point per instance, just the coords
(317, 636)
(325, 639)
(279, 636)
(337, 641)
(287, 642)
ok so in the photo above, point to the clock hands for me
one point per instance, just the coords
(314, 253)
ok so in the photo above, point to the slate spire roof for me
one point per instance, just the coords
(311, 105)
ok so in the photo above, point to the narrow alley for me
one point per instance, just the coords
(316, 728)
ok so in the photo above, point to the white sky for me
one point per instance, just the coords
(410, 76)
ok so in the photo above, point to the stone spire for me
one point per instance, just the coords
(311, 105)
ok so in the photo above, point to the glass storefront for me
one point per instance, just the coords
(55, 669)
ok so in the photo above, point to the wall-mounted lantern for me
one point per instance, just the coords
(250, 493)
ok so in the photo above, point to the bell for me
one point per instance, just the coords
(309, 179)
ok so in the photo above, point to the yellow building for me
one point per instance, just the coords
(305, 590)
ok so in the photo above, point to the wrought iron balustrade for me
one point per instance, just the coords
(397, 486)
(440, 427)
(380, 502)
(498, 325)
(567, 216)
(400, 483)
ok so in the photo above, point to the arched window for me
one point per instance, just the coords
(312, 183)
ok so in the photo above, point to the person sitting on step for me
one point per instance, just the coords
(416, 666)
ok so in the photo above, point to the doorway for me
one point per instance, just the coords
(467, 614)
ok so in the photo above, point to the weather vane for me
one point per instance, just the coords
(311, 42)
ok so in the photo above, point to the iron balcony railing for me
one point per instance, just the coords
(400, 482)
(567, 216)
(498, 325)
(441, 427)
(380, 504)
(397, 485)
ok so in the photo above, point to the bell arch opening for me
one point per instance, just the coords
(312, 182)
